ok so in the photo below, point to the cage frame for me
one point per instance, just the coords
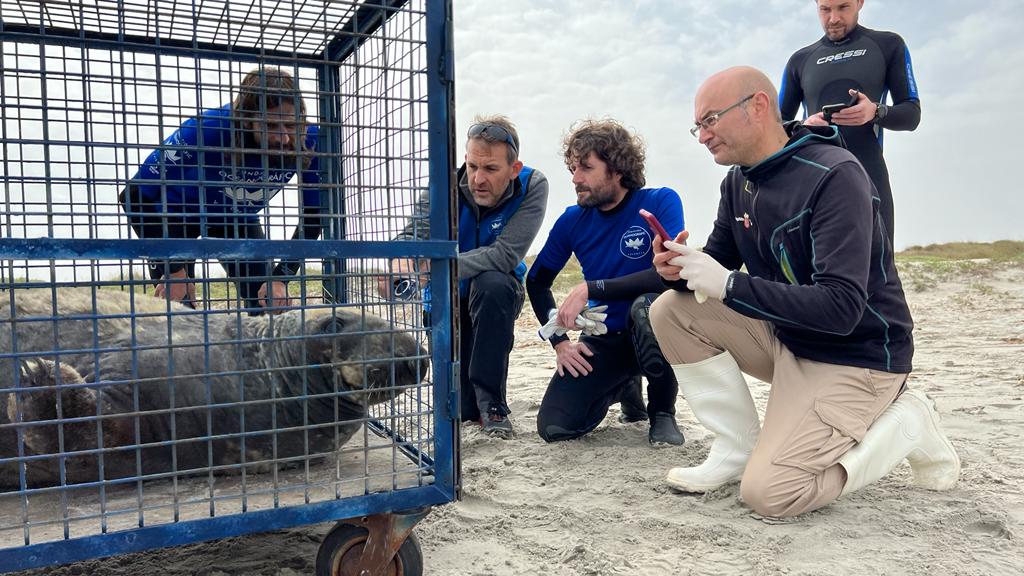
(440, 249)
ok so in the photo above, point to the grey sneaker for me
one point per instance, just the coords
(496, 424)
(664, 430)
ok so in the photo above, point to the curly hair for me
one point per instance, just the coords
(622, 151)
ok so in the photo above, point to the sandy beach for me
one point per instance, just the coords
(598, 506)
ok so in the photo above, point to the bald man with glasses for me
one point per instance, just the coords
(803, 294)
(501, 205)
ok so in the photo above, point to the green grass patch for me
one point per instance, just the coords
(1000, 251)
(925, 267)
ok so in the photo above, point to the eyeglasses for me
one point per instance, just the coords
(710, 120)
(493, 133)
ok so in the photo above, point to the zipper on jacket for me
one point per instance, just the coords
(757, 220)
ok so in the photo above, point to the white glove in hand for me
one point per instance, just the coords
(552, 328)
(703, 274)
(591, 320)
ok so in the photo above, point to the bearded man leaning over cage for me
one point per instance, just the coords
(213, 176)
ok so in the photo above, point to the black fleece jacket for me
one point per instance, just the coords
(805, 223)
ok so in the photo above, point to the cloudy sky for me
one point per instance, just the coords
(547, 63)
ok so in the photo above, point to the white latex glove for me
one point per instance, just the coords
(703, 274)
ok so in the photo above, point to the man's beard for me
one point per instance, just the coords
(598, 198)
(839, 33)
(276, 159)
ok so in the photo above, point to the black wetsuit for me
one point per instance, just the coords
(873, 62)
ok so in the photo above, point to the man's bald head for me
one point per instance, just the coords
(737, 111)
(741, 81)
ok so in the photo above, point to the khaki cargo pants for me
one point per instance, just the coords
(816, 412)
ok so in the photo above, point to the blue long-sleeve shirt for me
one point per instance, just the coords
(205, 173)
(608, 244)
(201, 171)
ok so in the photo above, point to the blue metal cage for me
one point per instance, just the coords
(128, 421)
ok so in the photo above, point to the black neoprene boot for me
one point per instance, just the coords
(664, 430)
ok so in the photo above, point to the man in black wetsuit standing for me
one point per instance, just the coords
(854, 61)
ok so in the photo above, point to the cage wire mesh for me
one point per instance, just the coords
(121, 120)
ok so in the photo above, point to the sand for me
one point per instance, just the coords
(598, 506)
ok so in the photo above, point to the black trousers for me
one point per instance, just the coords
(487, 317)
(151, 220)
(573, 407)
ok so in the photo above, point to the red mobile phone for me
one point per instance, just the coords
(652, 221)
(656, 226)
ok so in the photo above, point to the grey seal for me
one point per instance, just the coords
(119, 388)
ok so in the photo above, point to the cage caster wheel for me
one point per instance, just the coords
(381, 545)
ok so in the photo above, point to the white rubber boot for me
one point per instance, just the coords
(720, 399)
(908, 428)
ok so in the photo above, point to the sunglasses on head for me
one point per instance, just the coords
(493, 133)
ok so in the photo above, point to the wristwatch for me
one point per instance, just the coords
(881, 110)
(729, 281)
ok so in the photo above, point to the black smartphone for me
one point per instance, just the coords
(829, 109)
